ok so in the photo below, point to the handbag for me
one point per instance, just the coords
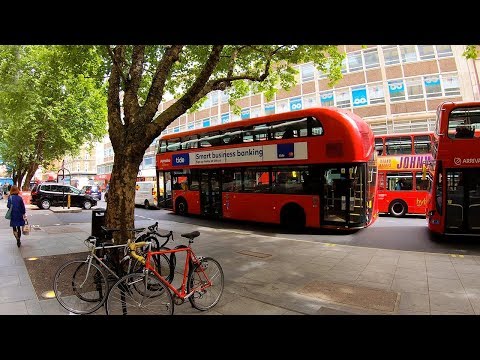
(8, 214)
(26, 228)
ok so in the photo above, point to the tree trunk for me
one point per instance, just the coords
(121, 195)
(31, 171)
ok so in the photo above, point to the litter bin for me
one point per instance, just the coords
(98, 220)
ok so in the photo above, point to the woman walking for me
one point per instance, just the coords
(17, 220)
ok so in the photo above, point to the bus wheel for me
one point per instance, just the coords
(292, 217)
(398, 208)
(181, 207)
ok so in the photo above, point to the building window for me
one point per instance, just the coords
(450, 84)
(390, 53)
(426, 52)
(235, 117)
(282, 106)
(86, 167)
(308, 71)
(370, 58)
(309, 101)
(376, 94)
(326, 98)
(78, 167)
(396, 90)
(408, 53)
(414, 88)
(444, 50)
(269, 108)
(355, 61)
(255, 112)
(148, 162)
(205, 122)
(342, 98)
(224, 97)
(296, 104)
(359, 96)
(245, 114)
(323, 75)
(214, 96)
(344, 66)
(432, 86)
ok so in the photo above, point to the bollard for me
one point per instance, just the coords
(68, 201)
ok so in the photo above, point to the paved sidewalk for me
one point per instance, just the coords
(274, 275)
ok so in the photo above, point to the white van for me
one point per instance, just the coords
(146, 193)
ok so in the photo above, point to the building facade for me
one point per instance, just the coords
(395, 88)
(81, 168)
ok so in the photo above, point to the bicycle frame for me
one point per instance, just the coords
(191, 258)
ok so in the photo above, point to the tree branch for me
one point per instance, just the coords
(136, 68)
(155, 94)
(115, 127)
(115, 63)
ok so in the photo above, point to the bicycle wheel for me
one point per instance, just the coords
(78, 292)
(205, 296)
(134, 294)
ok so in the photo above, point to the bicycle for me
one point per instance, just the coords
(81, 286)
(150, 293)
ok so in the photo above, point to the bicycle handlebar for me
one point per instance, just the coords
(133, 246)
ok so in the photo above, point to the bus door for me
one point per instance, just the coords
(165, 198)
(210, 193)
(463, 201)
(344, 196)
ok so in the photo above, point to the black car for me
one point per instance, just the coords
(54, 194)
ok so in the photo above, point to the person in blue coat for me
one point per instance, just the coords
(17, 220)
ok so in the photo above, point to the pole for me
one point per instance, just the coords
(63, 181)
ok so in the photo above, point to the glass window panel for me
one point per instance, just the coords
(398, 145)
(432, 86)
(399, 181)
(422, 144)
(426, 52)
(379, 146)
(408, 53)
(326, 98)
(232, 180)
(256, 180)
(396, 89)
(390, 53)
(450, 84)
(355, 61)
(414, 88)
(308, 71)
(371, 58)
(342, 98)
(376, 94)
(444, 50)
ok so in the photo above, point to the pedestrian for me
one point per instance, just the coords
(15, 202)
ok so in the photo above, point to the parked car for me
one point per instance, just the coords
(93, 191)
(47, 194)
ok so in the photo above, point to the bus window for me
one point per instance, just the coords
(174, 144)
(422, 184)
(256, 180)
(233, 136)
(291, 180)
(190, 142)
(163, 146)
(463, 122)
(399, 181)
(398, 145)
(261, 132)
(248, 135)
(422, 144)
(379, 146)
(314, 126)
(232, 180)
(194, 182)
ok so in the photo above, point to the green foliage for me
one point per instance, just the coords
(52, 100)
(471, 52)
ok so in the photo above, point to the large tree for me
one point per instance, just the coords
(141, 76)
(48, 107)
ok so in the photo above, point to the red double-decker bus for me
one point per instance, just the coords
(454, 205)
(313, 168)
(402, 185)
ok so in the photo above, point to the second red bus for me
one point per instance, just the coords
(402, 185)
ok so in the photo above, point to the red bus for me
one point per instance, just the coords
(313, 168)
(402, 187)
(454, 205)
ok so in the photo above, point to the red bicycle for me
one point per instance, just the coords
(149, 293)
